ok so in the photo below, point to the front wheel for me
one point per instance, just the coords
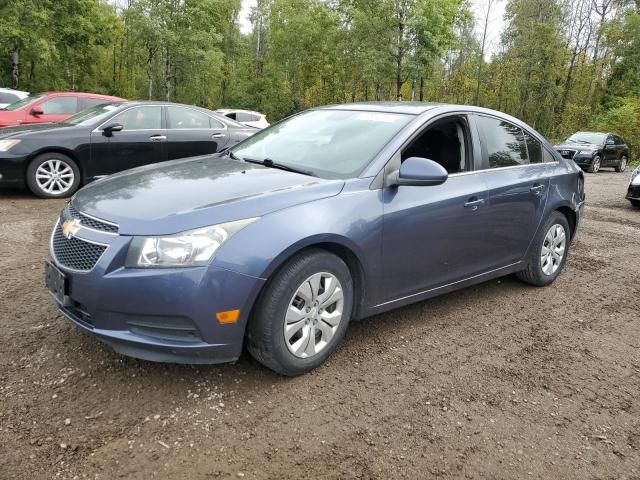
(53, 175)
(548, 252)
(303, 314)
(635, 203)
(622, 164)
(595, 165)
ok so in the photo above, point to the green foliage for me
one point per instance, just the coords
(561, 66)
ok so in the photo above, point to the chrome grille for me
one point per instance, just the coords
(566, 153)
(73, 252)
(86, 221)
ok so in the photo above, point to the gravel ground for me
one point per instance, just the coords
(498, 381)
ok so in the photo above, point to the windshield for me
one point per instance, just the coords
(25, 101)
(327, 143)
(586, 137)
(86, 117)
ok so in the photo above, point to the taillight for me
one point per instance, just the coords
(581, 184)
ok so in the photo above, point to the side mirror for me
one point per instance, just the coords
(109, 129)
(417, 171)
(36, 111)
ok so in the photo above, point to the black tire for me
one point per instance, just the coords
(533, 273)
(595, 164)
(635, 203)
(622, 164)
(265, 338)
(60, 189)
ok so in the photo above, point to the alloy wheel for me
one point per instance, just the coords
(595, 166)
(55, 177)
(553, 249)
(623, 164)
(313, 315)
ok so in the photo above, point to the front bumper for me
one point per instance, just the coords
(583, 160)
(163, 315)
(12, 169)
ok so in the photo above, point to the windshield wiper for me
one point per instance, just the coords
(230, 154)
(267, 162)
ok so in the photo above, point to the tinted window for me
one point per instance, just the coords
(60, 106)
(91, 102)
(187, 118)
(8, 97)
(548, 157)
(231, 115)
(618, 140)
(140, 118)
(503, 141)
(534, 148)
(610, 140)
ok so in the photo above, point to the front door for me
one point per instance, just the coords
(142, 141)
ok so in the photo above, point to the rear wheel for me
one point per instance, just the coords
(303, 313)
(635, 203)
(548, 252)
(53, 175)
(595, 164)
(622, 164)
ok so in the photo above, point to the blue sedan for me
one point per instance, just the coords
(332, 215)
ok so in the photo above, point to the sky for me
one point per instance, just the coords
(477, 6)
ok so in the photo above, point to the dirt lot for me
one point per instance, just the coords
(497, 381)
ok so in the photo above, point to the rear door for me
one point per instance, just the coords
(518, 182)
(192, 132)
(143, 140)
(610, 151)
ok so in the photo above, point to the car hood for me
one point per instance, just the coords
(576, 146)
(183, 194)
(22, 130)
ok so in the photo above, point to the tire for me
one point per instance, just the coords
(536, 273)
(282, 297)
(595, 164)
(42, 179)
(635, 203)
(622, 164)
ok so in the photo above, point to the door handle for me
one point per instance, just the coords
(473, 203)
(158, 138)
(218, 135)
(537, 189)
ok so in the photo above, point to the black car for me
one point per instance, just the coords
(55, 159)
(593, 150)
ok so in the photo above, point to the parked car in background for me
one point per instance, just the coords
(55, 159)
(334, 214)
(9, 96)
(246, 117)
(50, 107)
(594, 150)
(633, 192)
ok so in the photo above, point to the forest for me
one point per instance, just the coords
(560, 65)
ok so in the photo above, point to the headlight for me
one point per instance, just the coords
(585, 152)
(5, 145)
(635, 177)
(186, 249)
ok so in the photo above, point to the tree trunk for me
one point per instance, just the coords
(15, 65)
(421, 88)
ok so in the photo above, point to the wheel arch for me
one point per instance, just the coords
(571, 217)
(339, 246)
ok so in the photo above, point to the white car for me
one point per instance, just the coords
(9, 96)
(247, 117)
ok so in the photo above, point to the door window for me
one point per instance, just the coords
(60, 106)
(503, 141)
(534, 148)
(445, 142)
(183, 118)
(140, 118)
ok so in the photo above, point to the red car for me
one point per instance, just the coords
(50, 107)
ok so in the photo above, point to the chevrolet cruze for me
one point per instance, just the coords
(332, 215)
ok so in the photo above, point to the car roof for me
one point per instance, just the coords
(81, 94)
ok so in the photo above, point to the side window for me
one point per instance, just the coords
(231, 115)
(183, 118)
(140, 118)
(246, 117)
(534, 148)
(610, 140)
(216, 124)
(60, 106)
(503, 141)
(446, 142)
(618, 140)
(548, 156)
(91, 102)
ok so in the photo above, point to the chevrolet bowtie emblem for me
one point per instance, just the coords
(70, 228)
